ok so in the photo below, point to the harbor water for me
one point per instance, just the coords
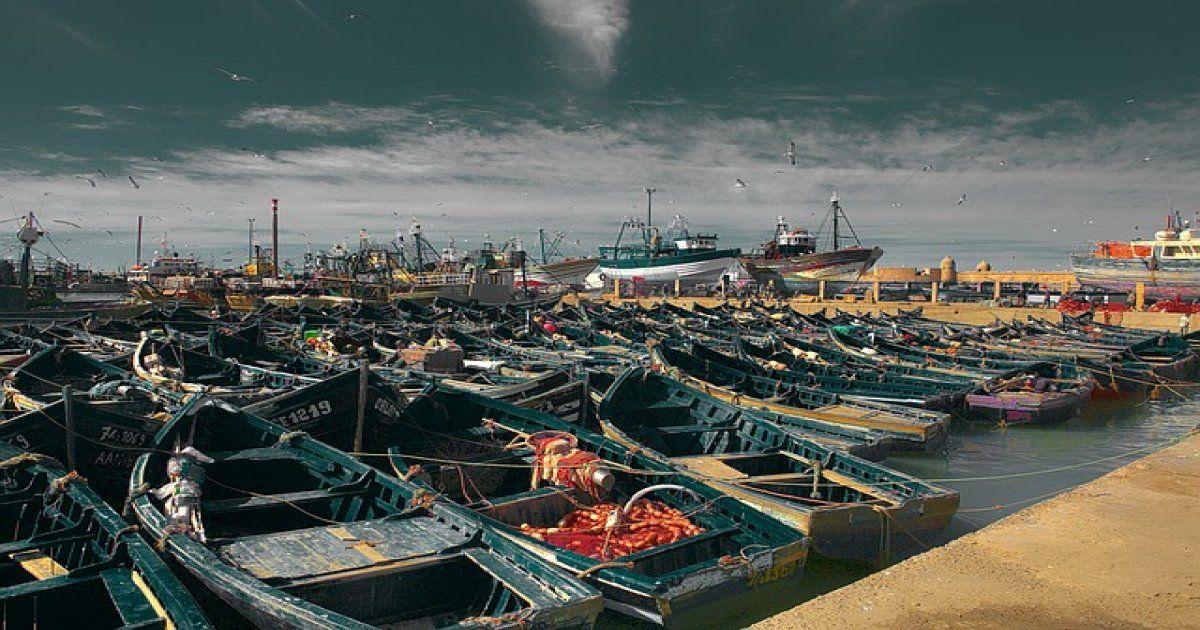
(999, 471)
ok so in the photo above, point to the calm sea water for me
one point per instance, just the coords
(979, 462)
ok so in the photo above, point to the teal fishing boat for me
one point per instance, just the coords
(909, 428)
(648, 257)
(70, 561)
(89, 437)
(43, 378)
(675, 546)
(293, 533)
(849, 507)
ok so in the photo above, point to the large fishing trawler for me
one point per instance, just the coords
(1168, 265)
(648, 257)
(659, 259)
(793, 255)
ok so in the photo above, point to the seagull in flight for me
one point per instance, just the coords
(74, 225)
(87, 179)
(962, 199)
(102, 173)
(134, 182)
(233, 76)
(357, 16)
(791, 153)
(741, 184)
(1131, 100)
(1146, 159)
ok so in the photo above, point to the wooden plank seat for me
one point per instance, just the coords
(315, 553)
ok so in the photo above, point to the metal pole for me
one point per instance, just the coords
(275, 237)
(650, 206)
(69, 421)
(139, 240)
(250, 243)
(364, 371)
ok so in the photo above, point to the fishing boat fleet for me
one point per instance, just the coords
(459, 464)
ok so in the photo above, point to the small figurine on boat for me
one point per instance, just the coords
(181, 495)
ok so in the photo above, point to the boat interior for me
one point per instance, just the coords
(723, 442)
(341, 536)
(60, 567)
(500, 488)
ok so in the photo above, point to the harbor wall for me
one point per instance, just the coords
(1122, 551)
(960, 313)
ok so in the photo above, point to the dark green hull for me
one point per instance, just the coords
(72, 562)
(302, 535)
(849, 507)
(663, 582)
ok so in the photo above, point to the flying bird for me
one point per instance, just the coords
(962, 199)
(791, 153)
(109, 232)
(928, 168)
(233, 76)
(1146, 159)
(102, 173)
(74, 225)
(741, 184)
(1001, 162)
(1131, 100)
(635, 110)
(134, 182)
(87, 179)
(357, 16)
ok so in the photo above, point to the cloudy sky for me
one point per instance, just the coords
(1062, 122)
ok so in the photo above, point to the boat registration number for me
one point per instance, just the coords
(777, 572)
(304, 414)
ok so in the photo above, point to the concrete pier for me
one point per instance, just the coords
(959, 313)
(1120, 552)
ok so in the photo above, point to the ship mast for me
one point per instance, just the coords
(649, 212)
(838, 215)
(836, 209)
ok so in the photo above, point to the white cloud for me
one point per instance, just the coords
(331, 118)
(515, 177)
(90, 111)
(594, 26)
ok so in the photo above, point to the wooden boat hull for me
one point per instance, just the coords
(301, 535)
(83, 565)
(1019, 408)
(106, 444)
(873, 510)
(662, 583)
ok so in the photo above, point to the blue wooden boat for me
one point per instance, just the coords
(301, 535)
(849, 507)
(70, 561)
(910, 429)
(464, 445)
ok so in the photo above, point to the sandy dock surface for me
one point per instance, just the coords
(1120, 552)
